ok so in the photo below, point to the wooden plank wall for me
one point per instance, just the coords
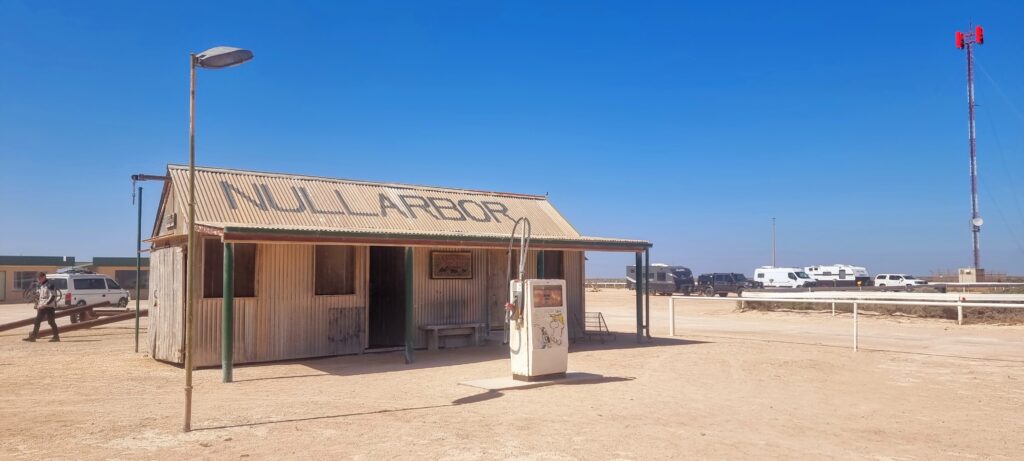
(167, 277)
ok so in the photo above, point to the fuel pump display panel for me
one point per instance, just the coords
(547, 296)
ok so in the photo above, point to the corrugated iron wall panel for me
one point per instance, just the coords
(285, 320)
(447, 301)
(574, 264)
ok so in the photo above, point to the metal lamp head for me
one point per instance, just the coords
(221, 57)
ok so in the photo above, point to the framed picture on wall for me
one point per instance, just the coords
(451, 265)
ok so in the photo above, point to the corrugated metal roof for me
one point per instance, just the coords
(37, 260)
(256, 202)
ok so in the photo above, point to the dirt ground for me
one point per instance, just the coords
(730, 385)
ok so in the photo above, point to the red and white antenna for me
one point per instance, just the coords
(967, 41)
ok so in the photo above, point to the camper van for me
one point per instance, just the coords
(838, 275)
(783, 277)
(664, 279)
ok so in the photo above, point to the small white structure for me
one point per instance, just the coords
(971, 275)
(538, 338)
(783, 277)
(839, 274)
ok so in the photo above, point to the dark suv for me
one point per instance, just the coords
(722, 284)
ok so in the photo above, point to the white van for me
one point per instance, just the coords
(783, 277)
(80, 289)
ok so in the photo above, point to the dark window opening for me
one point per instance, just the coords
(335, 271)
(213, 269)
(126, 279)
(23, 280)
(553, 268)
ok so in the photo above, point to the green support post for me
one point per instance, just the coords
(639, 296)
(409, 327)
(138, 269)
(647, 292)
(540, 265)
(228, 315)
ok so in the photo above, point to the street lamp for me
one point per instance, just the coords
(219, 57)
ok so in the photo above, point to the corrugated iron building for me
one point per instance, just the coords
(319, 263)
(18, 273)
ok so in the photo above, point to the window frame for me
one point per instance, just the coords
(255, 270)
(27, 283)
(131, 287)
(355, 269)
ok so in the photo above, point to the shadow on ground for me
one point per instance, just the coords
(386, 362)
(469, 400)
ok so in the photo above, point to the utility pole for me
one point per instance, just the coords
(773, 242)
(967, 41)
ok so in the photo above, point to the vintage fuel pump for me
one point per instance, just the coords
(536, 328)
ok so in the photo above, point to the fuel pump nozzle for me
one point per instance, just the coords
(514, 306)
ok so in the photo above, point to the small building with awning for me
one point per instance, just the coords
(319, 266)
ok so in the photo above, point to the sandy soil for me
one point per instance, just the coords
(731, 385)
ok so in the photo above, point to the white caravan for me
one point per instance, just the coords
(839, 275)
(783, 277)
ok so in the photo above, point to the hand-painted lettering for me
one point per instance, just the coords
(422, 205)
(440, 208)
(495, 208)
(386, 203)
(230, 191)
(442, 204)
(312, 206)
(349, 210)
(485, 217)
(300, 206)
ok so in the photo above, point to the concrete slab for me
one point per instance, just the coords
(506, 382)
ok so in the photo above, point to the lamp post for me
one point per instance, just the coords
(220, 57)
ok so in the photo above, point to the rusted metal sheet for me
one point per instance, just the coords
(167, 285)
(254, 206)
(245, 197)
(346, 330)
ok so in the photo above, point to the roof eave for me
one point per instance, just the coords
(254, 234)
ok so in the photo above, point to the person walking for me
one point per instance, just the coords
(46, 306)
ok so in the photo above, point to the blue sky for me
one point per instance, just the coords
(688, 124)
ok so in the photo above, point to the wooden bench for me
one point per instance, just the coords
(435, 332)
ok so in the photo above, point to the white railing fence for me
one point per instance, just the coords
(858, 299)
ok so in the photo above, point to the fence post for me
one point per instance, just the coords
(671, 316)
(960, 310)
(855, 327)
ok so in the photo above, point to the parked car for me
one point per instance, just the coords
(783, 277)
(721, 284)
(80, 289)
(664, 279)
(898, 280)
